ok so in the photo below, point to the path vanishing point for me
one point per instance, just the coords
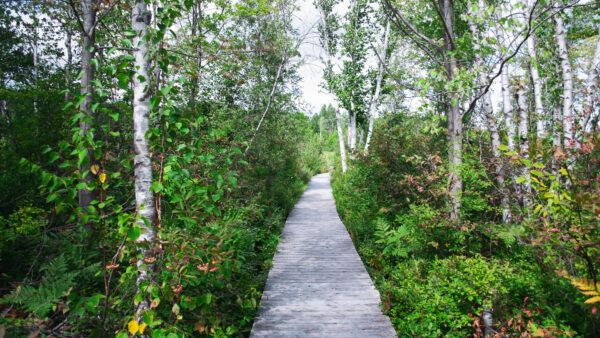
(318, 286)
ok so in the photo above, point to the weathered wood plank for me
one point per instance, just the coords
(318, 286)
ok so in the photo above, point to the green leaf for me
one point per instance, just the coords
(134, 232)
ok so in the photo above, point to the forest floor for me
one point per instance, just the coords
(318, 285)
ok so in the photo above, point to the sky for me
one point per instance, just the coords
(311, 70)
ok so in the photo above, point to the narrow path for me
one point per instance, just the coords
(318, 286)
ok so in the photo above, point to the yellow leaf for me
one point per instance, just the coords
(133, 327)
(142, 327)
(94, 169)
(591, 293)
(593, 300)
(102, 178)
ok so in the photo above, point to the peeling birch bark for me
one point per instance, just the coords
(567, 75)
(144, 197)
(537, 89)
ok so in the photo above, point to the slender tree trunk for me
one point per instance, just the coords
(453, 110)
(361, 136)
(524, 143)
(507, 108)
(69, 66)
(592, 79)
(320, 127)
(144, 197)
(269, 102)
(349, 131)
(556, 137)
(35, 69)
(375, 100)
(340, 131)
(353, 138)
(537, 89)
(567, 75)
(492, 125)
(87, 53)
(454, 145)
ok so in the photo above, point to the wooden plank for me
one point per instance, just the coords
(318, 286)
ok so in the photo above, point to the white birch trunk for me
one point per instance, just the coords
(556, 135)
(353, 135)
(537, 89)
(524, 143)
(144, 197)
(507, 109)
(349, 131)
(592, 79)
(567, 75)
(340, 131)
(375, 100)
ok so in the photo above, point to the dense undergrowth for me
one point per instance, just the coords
(436, 277)
(221, 219)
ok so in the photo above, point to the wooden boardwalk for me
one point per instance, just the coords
(318, 286)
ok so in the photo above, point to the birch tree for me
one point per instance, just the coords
(327, 27)
(592, 80)
(524, 142)
(144, 197)
(567, 78)
(537, 84)
(338, 119)
(443, 54)
(375, 100)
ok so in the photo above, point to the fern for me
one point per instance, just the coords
(394, 241)
(588, 288)
(56, 284)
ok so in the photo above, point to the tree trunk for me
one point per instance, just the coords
(507, 108)
(556, 137)
(454, 148)
(87, 54)
(375, 100)
(340, 131)
(144, 197)
(69, 65)
(567, 75)
(492, 125)
(524, 143)
(592, 79)
(537, 89)
(349, 131)
(353, 136)
(453, 109)
(361, 136)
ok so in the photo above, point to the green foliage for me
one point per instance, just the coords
(56, 284)
(436, 276)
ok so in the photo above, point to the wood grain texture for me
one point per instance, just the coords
(318, 286)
